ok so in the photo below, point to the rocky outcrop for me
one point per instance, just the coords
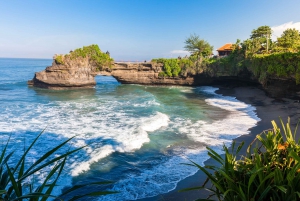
(279, 87)
(146, 74)
(77, 73)
(80, 73)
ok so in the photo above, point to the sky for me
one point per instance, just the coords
(134, 30)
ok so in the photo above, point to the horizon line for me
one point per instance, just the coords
(22, 58)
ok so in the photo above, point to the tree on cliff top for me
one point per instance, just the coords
(197, 46)
(263, 35)
(289, 41)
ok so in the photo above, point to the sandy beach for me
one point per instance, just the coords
(267, 109)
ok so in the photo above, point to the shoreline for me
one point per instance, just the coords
(267, 109)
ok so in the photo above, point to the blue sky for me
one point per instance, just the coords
(134, 29)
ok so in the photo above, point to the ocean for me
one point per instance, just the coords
(137, 136)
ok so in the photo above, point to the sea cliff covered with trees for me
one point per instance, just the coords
(258, 59)
(273, 65)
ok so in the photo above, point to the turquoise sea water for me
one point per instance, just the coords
(138, 135)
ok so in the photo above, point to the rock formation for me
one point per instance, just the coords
(77, 73)
(146, 74)
(80, 73)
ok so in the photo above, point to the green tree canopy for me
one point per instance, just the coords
(251, 47)
(263, 35)
(289, 41)
(197, 46)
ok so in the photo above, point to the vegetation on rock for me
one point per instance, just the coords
(93, 52)
(277, 65)
(269, 171)
(200, 51)
(265, 58)
(258, 55)
(171, 67)
(182, 66)
(59, 59)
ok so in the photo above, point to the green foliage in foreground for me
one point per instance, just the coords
(17, 181)
(100, 58)
(270, 171)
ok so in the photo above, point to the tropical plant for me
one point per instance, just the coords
(269, 171)
(17, 177)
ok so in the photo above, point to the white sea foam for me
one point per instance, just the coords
(165, 176)
(113, 129)
(159, 179)
(89, 121)
(240, 118)
(146, 103)
(155, 122)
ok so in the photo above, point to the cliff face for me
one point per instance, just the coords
(80, 73)
(77, 73)
(278, 88)
(145, 73)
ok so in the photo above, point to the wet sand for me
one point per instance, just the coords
(267, 109)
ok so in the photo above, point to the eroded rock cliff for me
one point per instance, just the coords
(80, 73)
(145, 73)
(72, 73)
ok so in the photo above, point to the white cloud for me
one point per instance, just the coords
(176, 53)
(278, 30)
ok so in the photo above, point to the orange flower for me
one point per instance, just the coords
(283, 146)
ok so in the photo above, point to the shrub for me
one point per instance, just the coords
(262, 66)
(59, 59)
(270, 171)
(100, 58)
(171, 67)
(280, 64)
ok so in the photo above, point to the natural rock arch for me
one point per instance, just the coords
(80, 73)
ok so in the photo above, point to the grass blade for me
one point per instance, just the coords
(27, 150)
(61, 167)
(13, 182)
(50, 162)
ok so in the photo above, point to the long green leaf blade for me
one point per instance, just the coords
(46, 155)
